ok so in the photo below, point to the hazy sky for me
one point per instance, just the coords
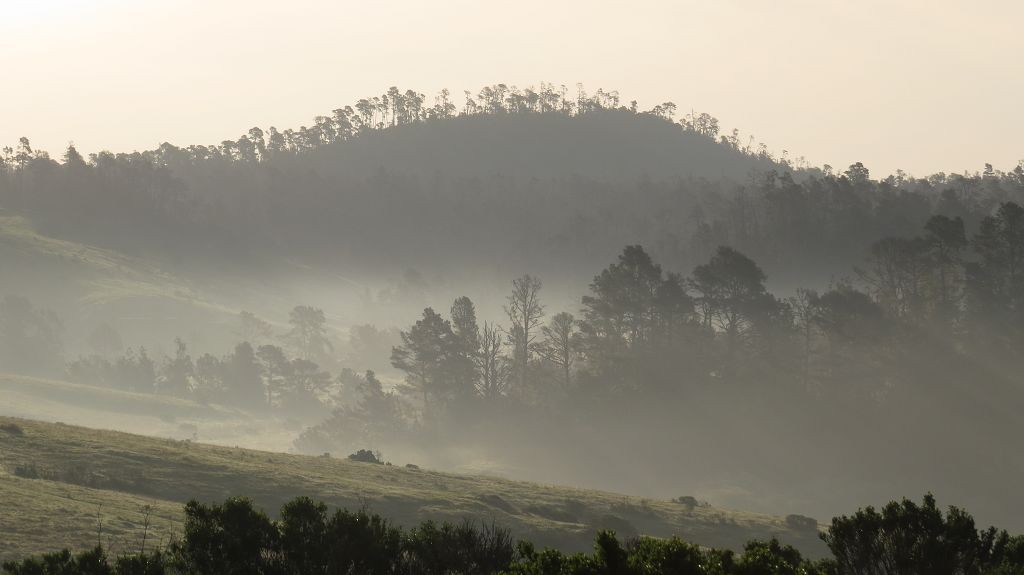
(921, 85)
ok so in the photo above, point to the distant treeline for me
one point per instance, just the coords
(257, 374)
(903, 538)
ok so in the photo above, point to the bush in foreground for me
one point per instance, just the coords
(235, 538)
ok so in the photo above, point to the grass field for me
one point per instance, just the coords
(85, 474)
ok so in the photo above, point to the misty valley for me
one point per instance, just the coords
(526, 331)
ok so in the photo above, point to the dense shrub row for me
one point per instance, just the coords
(234, 538)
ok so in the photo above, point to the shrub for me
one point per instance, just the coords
(12, 429)
(92, 562)
(688, 501)
(917, 539)
(365, 456)
(772, 557)
(462, 548)
(234, 538)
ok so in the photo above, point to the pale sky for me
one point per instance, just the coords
(922, 85)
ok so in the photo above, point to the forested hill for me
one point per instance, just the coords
(518, 172)
(616, 146)
(512, 179)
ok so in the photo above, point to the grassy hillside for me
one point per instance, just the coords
(100, 275)
(148, 300)
(84, 471)
(40, 515)
(144, 413)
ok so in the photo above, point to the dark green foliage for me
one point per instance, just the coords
(429, 354)
(648, 556)
(93, 562)
(462, 548)
(233, 537)
(996, 282)
(141, 564)
(303, 534)
(772, 558)
(635, 317)
(907, 538)
(226, 539)
(633, 301)
(363, 543)
(236, 538)
(365, 456)
(687, 501)
(314, 542)
(673, 557)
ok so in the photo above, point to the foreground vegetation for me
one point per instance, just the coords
(61, 480)
(234, 537)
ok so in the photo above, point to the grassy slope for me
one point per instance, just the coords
(39, 515)
(143, 413)
(42, 514)
(101, 275)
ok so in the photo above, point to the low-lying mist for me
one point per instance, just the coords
(566, 291)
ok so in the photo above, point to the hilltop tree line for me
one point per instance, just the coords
(172, 195)
(393, 108)
(357, 177)
(903, 538)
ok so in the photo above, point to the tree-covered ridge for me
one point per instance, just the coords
(903, 538)
(172, 198)
(395, 108)
(513, 176)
